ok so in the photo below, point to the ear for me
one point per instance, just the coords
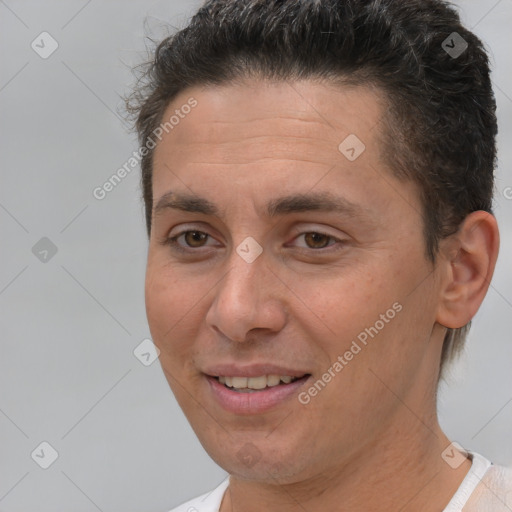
(468, 259)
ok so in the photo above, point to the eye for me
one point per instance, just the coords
(317, 240)
(192, 239)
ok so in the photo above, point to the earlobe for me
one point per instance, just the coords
(469, 261)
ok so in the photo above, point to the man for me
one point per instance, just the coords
(317, 176)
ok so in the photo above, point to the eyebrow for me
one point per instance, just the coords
(294, 203)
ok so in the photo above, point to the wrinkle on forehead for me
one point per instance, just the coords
(249, 124)
(305, 104)
(270, 137)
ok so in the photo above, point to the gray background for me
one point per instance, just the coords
(68, 375)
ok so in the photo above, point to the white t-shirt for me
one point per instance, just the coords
(486, 488)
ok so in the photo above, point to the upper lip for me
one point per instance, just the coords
(253, 370)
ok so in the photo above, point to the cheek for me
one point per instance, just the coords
(344, 303)
(381, 333)
(172, 307)
(160, 301)
(367, 316)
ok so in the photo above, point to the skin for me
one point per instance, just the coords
(370, 440)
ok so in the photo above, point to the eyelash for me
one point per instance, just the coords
(173, 241)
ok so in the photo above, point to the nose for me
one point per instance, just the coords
(247, 299)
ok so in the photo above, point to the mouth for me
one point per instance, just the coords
(253, 389)
(256, 384)
(254, 395)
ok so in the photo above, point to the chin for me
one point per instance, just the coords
(271, 464)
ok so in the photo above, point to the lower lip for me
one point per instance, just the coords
(254, 402)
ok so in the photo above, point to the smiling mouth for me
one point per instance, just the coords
(255, 384)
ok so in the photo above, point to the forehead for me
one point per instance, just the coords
(260, 140)
(302, 109)
(301, 125)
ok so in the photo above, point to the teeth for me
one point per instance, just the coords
(273, 380)
(257, 382)
(239, 382)
(260, 382)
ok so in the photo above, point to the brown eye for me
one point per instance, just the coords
(317, 240)
(195, 238)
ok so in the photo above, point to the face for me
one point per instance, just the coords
(287, 287)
